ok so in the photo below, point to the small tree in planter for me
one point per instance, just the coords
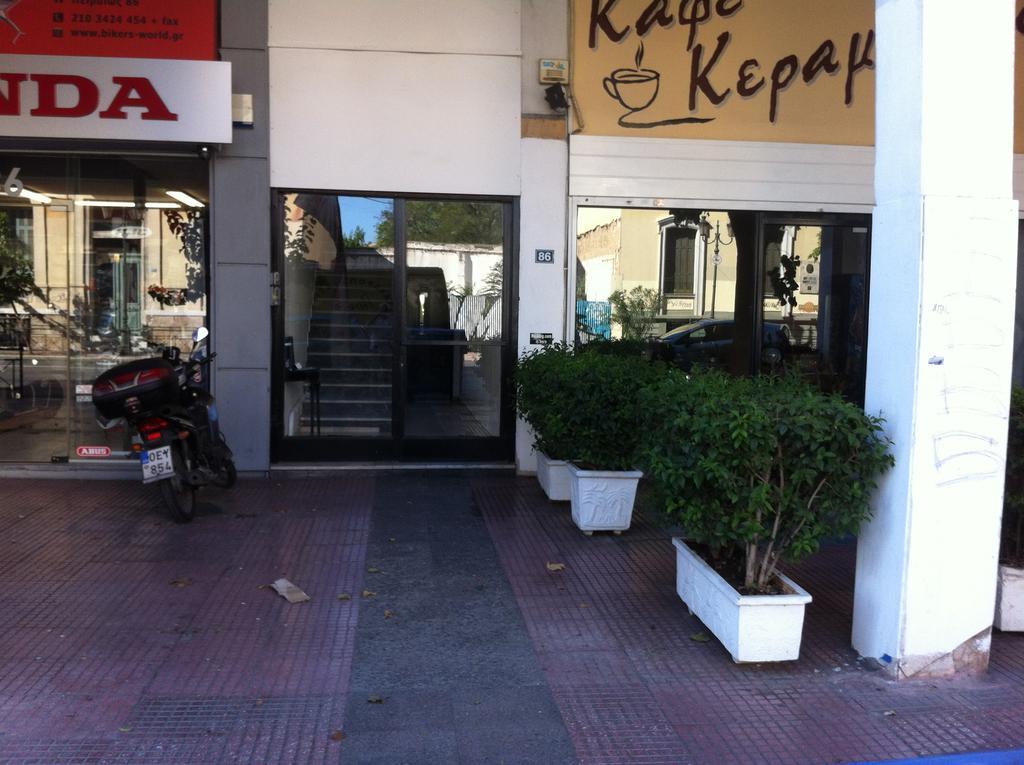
(601, 412)
(757, 471)
(1010, 595)
(541, 380)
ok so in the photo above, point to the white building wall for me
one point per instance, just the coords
(939, 350)
(397, 96)
(490, 27)
(394, 121)
(542, 306)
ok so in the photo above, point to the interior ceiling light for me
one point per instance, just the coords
(104, 203)
(31, 196)
(184, 198)
(163, 206)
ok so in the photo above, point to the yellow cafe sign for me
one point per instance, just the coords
(750, 70)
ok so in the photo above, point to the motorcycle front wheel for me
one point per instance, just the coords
(178, 494)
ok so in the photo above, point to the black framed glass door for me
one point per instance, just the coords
(391, 328)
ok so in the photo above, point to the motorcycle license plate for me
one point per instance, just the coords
(156, 464)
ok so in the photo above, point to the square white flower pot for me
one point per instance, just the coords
(1010, 599)
(553, 477)
(751, 627)
(602, 500)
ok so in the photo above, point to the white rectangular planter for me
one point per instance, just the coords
(602, 500)
(1010, 600)
(751, 627)
(553, 477)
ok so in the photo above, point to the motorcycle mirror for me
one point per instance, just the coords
(200, 334)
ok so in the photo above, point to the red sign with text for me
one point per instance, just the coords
(183, 29)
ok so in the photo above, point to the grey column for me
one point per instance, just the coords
(240, 243)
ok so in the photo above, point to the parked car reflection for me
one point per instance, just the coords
(708, 343)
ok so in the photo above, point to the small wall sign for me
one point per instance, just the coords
(541, 338)
(93, 451)
(544, 256)
(554, 70)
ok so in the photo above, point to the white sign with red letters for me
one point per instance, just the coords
(136, 99)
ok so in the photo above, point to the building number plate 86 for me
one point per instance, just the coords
(544, 256)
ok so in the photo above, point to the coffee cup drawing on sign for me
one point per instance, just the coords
(635, 89)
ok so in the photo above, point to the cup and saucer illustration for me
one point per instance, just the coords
(636, 89)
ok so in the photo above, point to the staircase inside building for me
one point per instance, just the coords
(350, 341)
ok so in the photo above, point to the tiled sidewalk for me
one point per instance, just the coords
(125, 638)
(128, 639)
(633, 685)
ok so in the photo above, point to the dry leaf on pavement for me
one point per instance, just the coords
(368, 593)
(344, 596)
(556, 566)
(181, 581)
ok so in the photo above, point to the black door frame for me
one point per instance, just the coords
(398, 447)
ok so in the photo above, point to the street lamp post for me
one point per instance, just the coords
(716, 259)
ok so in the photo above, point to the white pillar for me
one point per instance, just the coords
(941, 329)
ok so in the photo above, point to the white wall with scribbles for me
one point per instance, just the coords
(940, 345)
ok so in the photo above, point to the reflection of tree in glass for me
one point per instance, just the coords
(355, 238)
(17, 279)
(493, 280)
(634, 311)
(445, 222)
(188, 227)
(297, 238)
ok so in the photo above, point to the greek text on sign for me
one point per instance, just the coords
(709, 69)
(544, 256)
(93, 451)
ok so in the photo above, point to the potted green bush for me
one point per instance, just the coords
(601, 411)
(541, 378)
(756, 471)
(1010, 589)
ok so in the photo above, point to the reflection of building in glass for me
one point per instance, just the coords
(619, 249)
(118, 270)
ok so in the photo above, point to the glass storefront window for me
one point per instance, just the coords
(742, 291)
(815, 303)
(114, 248)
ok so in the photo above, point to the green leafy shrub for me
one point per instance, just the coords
(617, 347)
(584, 406)
(541, 379)
(758, 470)
(1011, 550)
(601, 408)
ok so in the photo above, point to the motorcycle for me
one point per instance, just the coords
(172, 418)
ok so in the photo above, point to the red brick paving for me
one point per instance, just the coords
(633, 687)
(104, 660)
